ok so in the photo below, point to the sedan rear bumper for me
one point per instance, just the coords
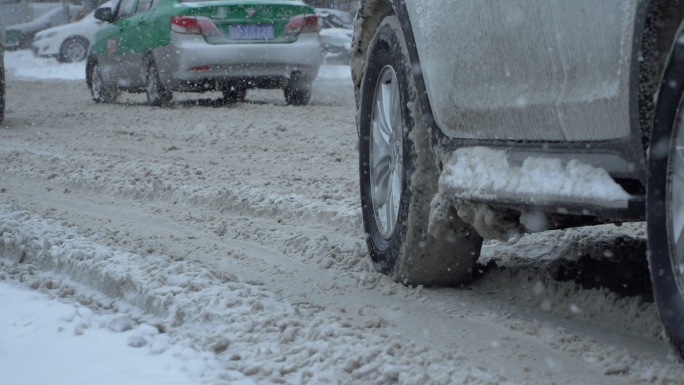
(189, 61)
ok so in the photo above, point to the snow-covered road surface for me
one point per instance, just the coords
(224, 245)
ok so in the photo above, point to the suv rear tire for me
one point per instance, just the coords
(398, 175)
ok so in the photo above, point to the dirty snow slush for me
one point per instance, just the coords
(236, 231)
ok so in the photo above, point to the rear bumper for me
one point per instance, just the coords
(189, 61)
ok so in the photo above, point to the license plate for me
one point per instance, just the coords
(251, 32)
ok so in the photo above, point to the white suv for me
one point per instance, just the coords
(483, 119)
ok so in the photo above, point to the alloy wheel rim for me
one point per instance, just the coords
(386, 152)
(75, 51)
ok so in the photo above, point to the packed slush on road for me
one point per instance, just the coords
(325, 221)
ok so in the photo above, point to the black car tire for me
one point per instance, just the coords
(665, 199)
(101, 92)
(234, 94)
(25, 41)
(297, 91)
(157, 94)
(73, 49)
(400, 244)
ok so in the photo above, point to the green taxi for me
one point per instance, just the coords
(165, 46)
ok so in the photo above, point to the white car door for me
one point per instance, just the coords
(567, 62)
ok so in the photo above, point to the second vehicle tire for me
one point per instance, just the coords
(73, 50)
(157, 94)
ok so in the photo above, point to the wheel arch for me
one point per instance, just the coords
(660, 29)
(367, 20)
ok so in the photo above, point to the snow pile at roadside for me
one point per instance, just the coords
(22, 64)
(47, 340)
(220, 329)
(209, 319)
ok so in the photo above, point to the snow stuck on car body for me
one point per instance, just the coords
(474, 176)
(479, 173)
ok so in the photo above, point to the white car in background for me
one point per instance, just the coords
(336, 31)
(67, 43)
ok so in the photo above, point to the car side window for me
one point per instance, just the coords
(144, 5)
(126, 8)
(59, 19)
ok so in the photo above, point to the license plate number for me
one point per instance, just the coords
(251, 32)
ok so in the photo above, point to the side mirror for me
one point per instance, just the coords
(104, 14)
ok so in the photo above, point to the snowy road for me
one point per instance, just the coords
(230, 237)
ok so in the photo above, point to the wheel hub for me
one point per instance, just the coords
(386, 152)
(75, 52)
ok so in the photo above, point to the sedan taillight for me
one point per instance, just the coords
(194, 25)
(302, 24)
